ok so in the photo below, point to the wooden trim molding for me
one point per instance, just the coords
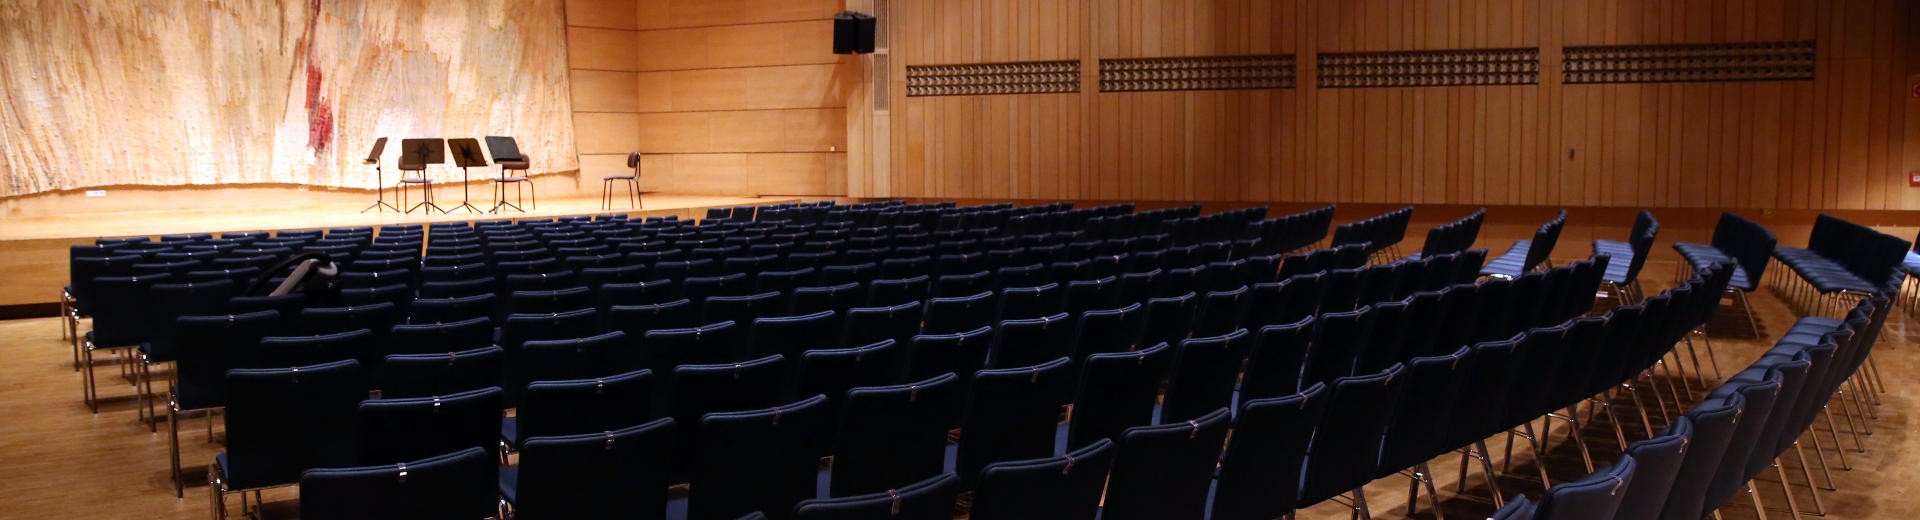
(1437, 68)
(1262, 71)
(1691, 63)
(973, 79)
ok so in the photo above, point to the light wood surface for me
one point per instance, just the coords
(735, 97)
(1844, 140)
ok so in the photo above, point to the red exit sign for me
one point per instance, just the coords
(1913, 178)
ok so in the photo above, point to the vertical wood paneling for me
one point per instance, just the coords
(1844, 140)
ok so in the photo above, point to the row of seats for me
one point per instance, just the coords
(1293, 232)
(1454, 237)
(1158, 471)
(1746, 426)
(1841, 257)
(1381, 233)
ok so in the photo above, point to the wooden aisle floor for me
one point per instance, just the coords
(60, 461)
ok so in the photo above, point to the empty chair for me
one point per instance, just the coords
(1110, 330)
(637, 293)
(452, 309)
(620, 472)
(1714, 421)
(888, 292)
(1117, 391)
(930, 499)
(1086, 295)
(396, 430)
(283, 421)
(832, 372)
(1259, 475)
(549, 302)
(1657, 462)
(571, 358)
(1026, 342)
(521, 328)
(458, 485)
(1066, 487)
(1336, 345)
(637, 320)
(699, 288)
(782, 281)
(1596, 496)
(664, 349)
(209, 346)
(700, 389)
(120, 309)
(948, 315)
(837, 298)
(1162, 471)
(1219, 312)
(580, 406)
(287, 351)
(741, 309)
(427, 375)
(1344, 453)
(890, 436)
(1019, 303)
(960, 353)
(756, 460)
(1012, 413)
(791, 335)
(434, 338)
(961, 284)
(872, 324)
(1203, 375)
(458, 288)
(1169, 320)
(1435, 384)
(1275, 360)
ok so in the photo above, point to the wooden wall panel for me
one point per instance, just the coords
(1844, 140)
(605, 91)
(757, 45)
(601, 49)
(606, 133)
(741, 97)
(609, 14)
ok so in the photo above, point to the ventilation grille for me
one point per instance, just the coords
(1270, 71)
(1754, 61)
(1440, 68)
(976, 79)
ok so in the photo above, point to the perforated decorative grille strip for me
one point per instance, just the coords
(1269, 71)
(1437, 68)
(975, 79)
(1742, 61)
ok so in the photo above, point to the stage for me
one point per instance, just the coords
(33, 249)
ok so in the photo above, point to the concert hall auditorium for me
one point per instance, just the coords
(960, 259)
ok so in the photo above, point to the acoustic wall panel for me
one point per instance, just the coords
(1437, 68)
(1269, 71)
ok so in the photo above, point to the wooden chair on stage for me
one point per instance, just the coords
(633, 184)
(506, 154)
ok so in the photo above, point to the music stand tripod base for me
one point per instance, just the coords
(465, 198)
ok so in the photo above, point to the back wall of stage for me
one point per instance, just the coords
(173, 93)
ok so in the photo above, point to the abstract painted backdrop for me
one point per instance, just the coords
(201, 92)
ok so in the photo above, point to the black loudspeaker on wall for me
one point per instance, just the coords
(853, 33)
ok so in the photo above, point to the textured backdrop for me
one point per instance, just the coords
(197, 92)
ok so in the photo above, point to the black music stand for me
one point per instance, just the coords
(415, 155)
(379, 178)
(466, 154)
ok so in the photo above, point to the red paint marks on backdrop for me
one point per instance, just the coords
(319, 108)
(319, 112)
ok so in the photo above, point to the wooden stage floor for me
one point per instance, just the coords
(269, 218)
(33, 250)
